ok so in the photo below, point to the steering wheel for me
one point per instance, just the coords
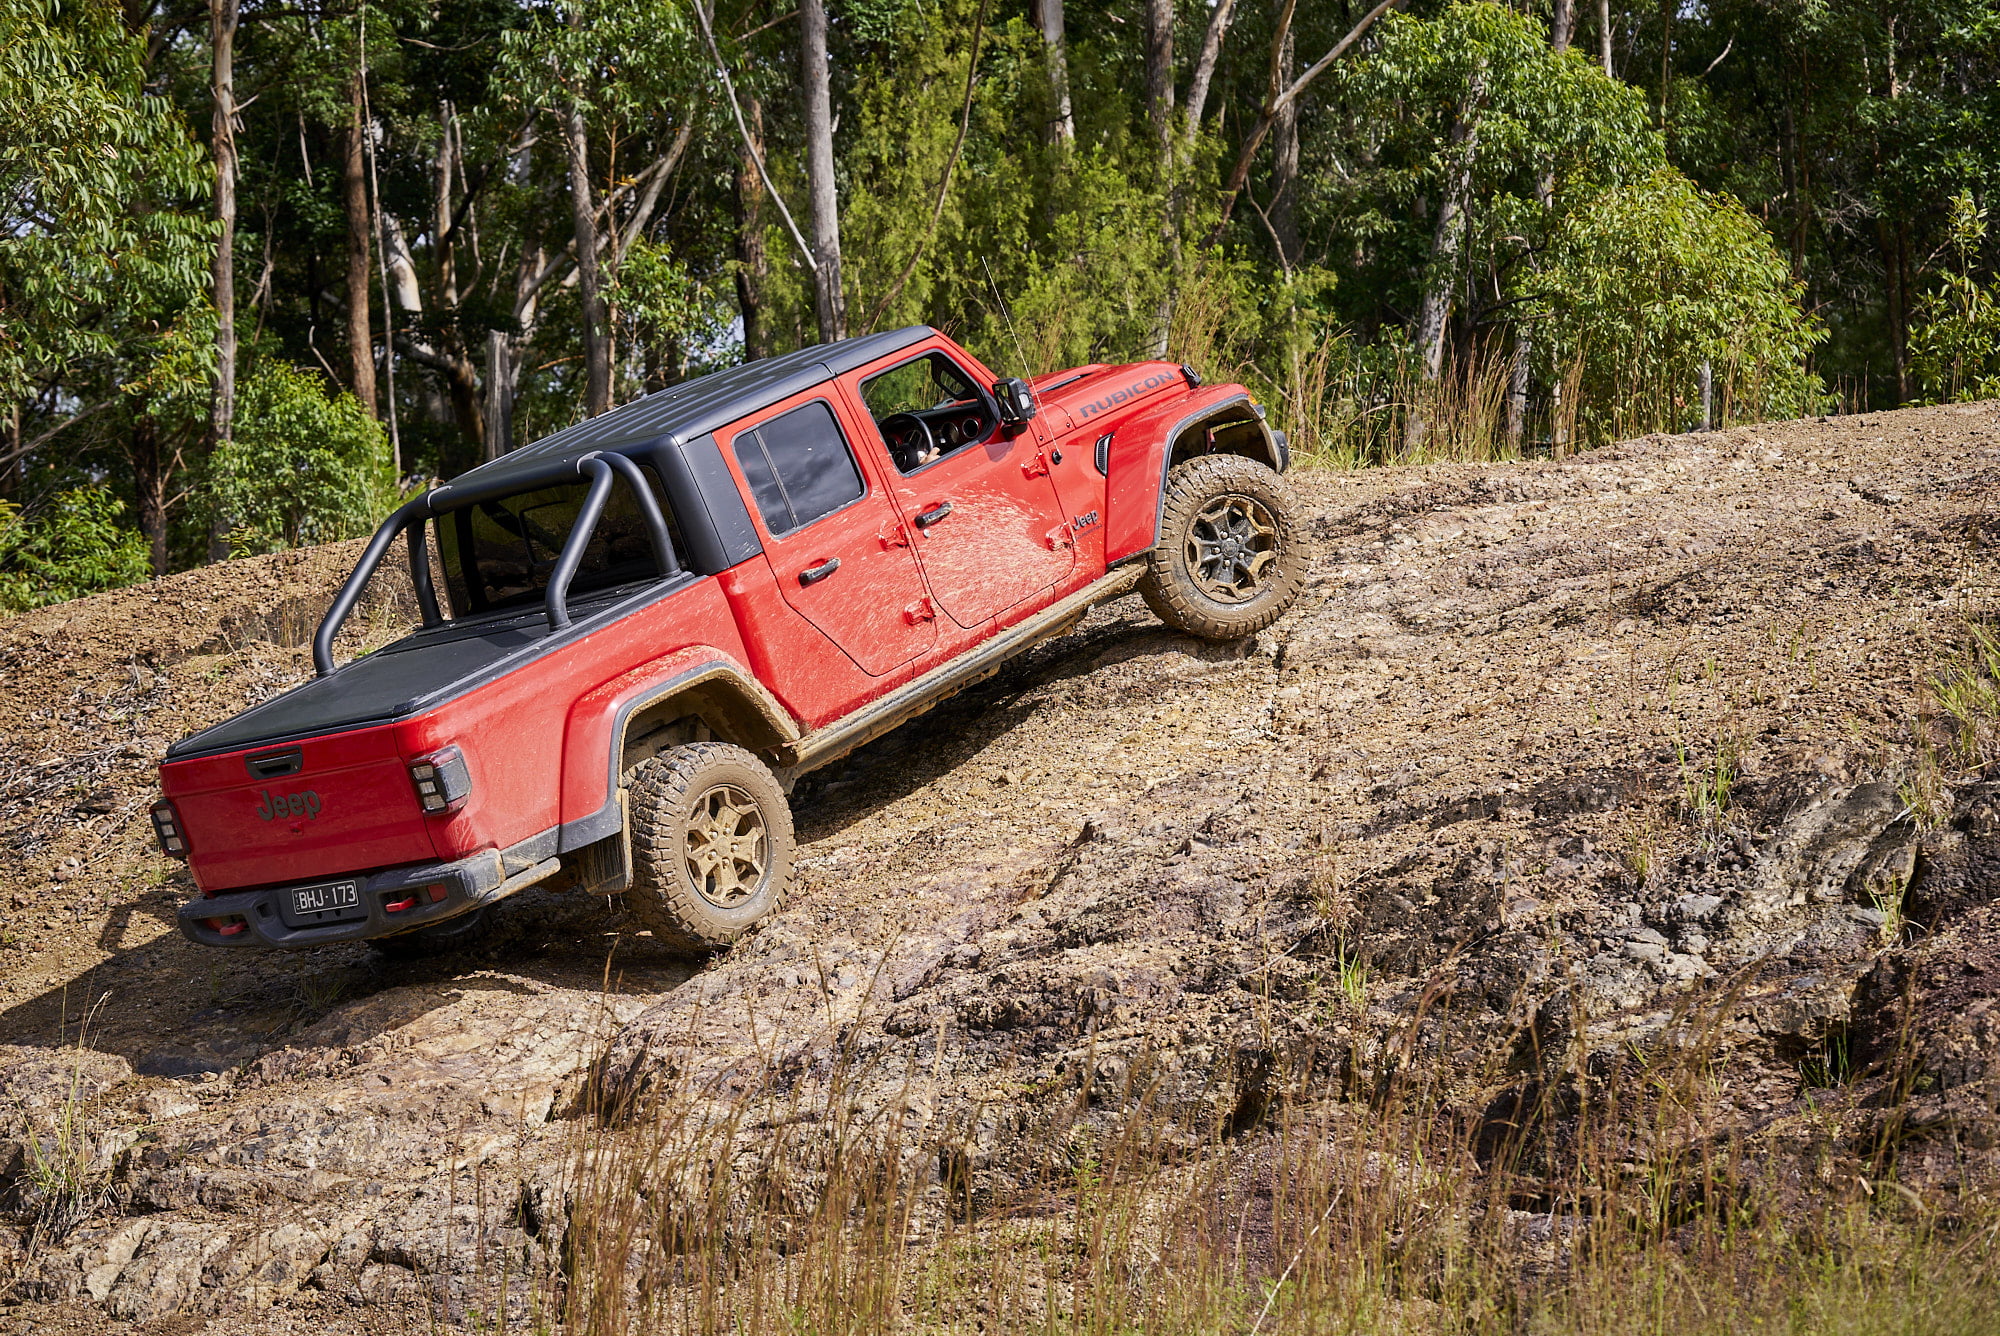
(910, 441)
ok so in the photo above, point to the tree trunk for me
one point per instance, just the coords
(222, 89)
(1893, 239)
(355, 201)
(1285, 165)
(150, 478)
(1517, 389)
(1160, 71)
(506, 353)
(1447, 241)
(1666, 56)
(829, 301)
(1794, 178)
(1604, 35)
(444, 242)
(11, 471)
(1203, 77)
(1047, 15)
(1448, 236)
(752, 264)
(590, 287)
(1563, 27)
(499, 395)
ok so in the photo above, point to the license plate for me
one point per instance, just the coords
(332, 900)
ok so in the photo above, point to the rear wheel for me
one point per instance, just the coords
(711, 844)
(1231, 554)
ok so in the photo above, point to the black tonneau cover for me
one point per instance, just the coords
(417, 673)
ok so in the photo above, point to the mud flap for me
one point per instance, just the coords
(605, 867)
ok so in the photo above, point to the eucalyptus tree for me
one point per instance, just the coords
(1478, 138)
(104, 253)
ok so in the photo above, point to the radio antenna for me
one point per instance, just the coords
(1005, 314)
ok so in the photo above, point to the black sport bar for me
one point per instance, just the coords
(413, 513)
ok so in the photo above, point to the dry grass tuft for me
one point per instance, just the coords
(1607, 1200)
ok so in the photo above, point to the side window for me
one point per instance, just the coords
(799, 467)
(932, 381)
(925, 409)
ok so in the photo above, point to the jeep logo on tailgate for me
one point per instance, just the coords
(288, 804)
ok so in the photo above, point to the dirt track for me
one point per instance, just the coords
(1443, 804)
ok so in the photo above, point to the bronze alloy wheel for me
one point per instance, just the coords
(1230, 545)
(711, 844)
(728, 851)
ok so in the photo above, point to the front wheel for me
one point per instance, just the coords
(1231, 555)
(711, 844)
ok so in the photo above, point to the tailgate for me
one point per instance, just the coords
(274, 814)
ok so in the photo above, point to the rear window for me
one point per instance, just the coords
(499, 554)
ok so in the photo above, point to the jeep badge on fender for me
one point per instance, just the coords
(638, 633)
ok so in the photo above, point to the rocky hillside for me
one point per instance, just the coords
(1554, 766)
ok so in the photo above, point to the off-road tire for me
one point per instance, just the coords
(461, 932)
(1231, 555)
(689, 890)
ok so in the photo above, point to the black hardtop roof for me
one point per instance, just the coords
(684, 412)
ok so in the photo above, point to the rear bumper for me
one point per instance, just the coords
(468, 883)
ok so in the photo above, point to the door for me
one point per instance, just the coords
(987, 523)
(839, 554)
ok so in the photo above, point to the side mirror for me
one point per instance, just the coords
(1016, 400)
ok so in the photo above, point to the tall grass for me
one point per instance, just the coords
(1601, 1197)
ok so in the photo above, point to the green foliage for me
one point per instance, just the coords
(1648, 280)
(1955, 339)
(1045, 255)
(304, 467)
(73, 546)
(1541, 121)
(1844, 128)
(97, 248)
(663, 303)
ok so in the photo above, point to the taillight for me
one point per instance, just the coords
(167, 829)
(442, 779)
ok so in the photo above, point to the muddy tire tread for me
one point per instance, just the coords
(1166, 588)
(660, 789)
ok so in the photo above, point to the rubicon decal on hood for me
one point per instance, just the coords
(1117, 397)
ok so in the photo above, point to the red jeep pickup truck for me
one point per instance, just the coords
(639, 631)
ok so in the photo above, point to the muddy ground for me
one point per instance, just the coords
(1552, 761)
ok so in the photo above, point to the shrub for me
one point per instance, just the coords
(71, 547)
(1955, 338)
(1653, 279)
(303, 467)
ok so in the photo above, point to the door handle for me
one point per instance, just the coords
(814, 574)
(926, 518)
